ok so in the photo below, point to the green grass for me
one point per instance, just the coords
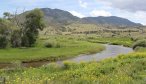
(112, 40)
(125, 69)
(68, 48)
(140, 49)
(118, 40)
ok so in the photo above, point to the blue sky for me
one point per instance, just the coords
(133, 10)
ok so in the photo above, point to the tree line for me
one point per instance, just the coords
(20, 34)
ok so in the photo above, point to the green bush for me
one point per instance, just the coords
(52, 45)
(16, 39)
(48, 45)
(139, 43)
(3, 41)
(5, 32)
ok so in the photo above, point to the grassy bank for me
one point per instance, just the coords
(62, 47)
(119, 40)
(112, 40)
(125, 69)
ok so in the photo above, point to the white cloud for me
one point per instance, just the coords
(77, 14)
(133, 10)
(129, 5)
(83, 4)
(139, 16)
(96, 13)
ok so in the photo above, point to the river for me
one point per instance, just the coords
(110, 51)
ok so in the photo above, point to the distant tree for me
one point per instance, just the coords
(7, 15)
(32, 25)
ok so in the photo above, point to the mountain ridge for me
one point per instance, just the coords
(111, 20)
(58, 18)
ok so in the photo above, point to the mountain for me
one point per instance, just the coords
(112, 20)
(57, 16)
(61, 17)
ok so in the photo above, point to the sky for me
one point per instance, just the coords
(134, 10)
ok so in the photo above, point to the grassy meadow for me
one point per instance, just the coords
(53, 48)
(124, 69)
(60, 47)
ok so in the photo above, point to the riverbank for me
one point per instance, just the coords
(123, 69)
(110, 51)
(65, 47)
(125, 41)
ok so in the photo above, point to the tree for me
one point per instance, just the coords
(5, 31)
(7, 15)
(32, 25)
(16, 38)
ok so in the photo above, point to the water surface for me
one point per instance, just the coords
(110, 51)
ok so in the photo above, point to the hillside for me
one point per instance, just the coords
(58, 17)
(61, 17)
(112, 20)
(58, 21)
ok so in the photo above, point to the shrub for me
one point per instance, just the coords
(5, 32)
(52, 44)
(139, 43)
(48, 45)
(3, 41)
(16, 38)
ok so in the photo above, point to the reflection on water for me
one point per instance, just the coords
(111, 51)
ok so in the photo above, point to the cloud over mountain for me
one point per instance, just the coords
(129, 5)
(96, 13)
